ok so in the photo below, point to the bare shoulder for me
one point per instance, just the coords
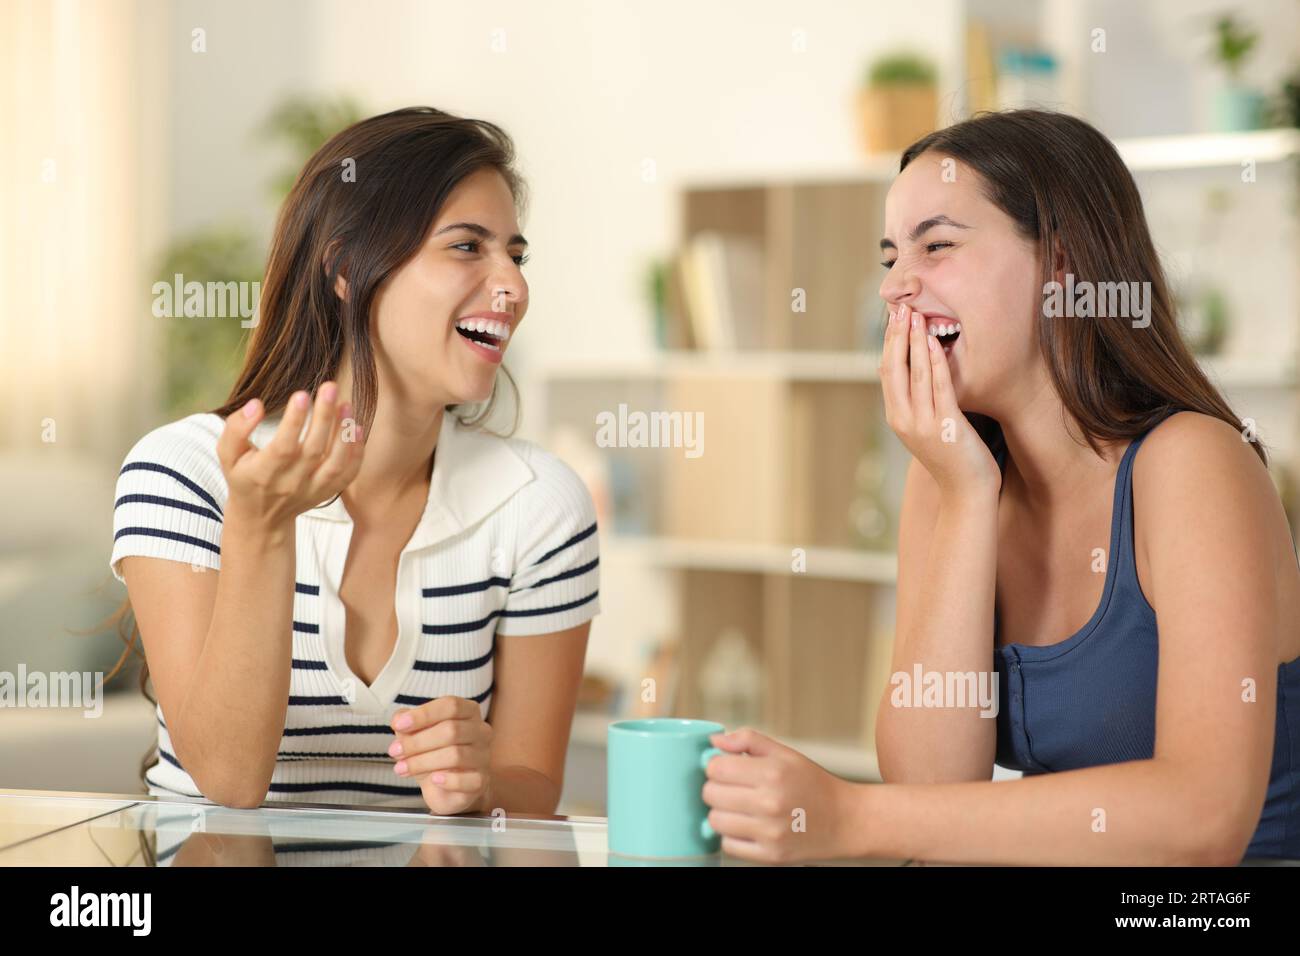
(1201, 492)
(1190, 450)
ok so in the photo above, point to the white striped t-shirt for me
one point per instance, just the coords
(507, 544)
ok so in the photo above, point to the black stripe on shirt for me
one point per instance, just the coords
(336, 729)
(453, 665)
(170, 536)
(320, 755)
(197, 489)
(302, 665)
(580, 536)
(409, 701)
(466, 588)
(571, 573)
(166, 503)
(344, 785)
(304, 628)
(301, 588)
(462, 628)
(555, 609)
(328, 701)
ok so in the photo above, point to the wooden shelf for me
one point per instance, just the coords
(838, 564)
(819, 366)
(1208, 150)
(839, 366)
(1141, 154)
(844, 758)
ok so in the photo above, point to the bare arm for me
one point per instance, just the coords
(219, 644)
(947, 563)
(537, 677)
(941, 627)
(207, 634)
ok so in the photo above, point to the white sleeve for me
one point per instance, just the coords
(169, 498)
(556, 579)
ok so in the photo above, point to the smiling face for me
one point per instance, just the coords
(442, 321)
(956, 258)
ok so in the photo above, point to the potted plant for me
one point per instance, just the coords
(1236, 106)
(899, 102)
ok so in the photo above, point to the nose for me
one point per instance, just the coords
(900, 285)
(507, 287)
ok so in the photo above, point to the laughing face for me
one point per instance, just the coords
(959, 261)
(444, 319)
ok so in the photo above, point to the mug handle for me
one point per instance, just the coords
(706, 831)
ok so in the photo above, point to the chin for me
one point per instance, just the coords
(474, 395)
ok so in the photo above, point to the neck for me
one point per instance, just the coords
(399, 455)
(1049, 460)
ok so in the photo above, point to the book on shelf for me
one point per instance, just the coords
(722, 290)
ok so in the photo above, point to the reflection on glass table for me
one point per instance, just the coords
(44, 828)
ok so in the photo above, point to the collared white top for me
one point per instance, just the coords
(506, 544)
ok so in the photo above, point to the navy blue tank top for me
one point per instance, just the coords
(1091, 699)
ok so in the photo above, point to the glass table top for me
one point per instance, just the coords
(49, 828)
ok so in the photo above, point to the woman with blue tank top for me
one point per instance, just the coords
(1097, 582)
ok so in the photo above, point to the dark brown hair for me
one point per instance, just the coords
(363, 227)
(1066, 188)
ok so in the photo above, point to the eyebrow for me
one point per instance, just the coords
(925, 225)
(482, 232)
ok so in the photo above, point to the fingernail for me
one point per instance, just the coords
(403, 722)
(345, 410)
(300, 400)
(439, 778)
(934, 343)
(328, 391)
(395, 750)
(250, 408)
(915, 321)
(401, 767)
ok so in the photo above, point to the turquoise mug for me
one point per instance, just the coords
(654, 782)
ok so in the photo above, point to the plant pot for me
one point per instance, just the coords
(891, 118)
(1238, 108)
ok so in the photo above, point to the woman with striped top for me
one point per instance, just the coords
(347, 591)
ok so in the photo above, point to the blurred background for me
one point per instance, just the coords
(707, 187)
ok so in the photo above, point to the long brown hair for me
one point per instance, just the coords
(1065, 186)
(363, 226)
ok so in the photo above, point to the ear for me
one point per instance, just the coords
(1058, 262)
(340, 283)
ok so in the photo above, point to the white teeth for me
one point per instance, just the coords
(485, 325)
(500, 330)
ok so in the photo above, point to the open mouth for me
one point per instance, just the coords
(488, 333)
(946, 332)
